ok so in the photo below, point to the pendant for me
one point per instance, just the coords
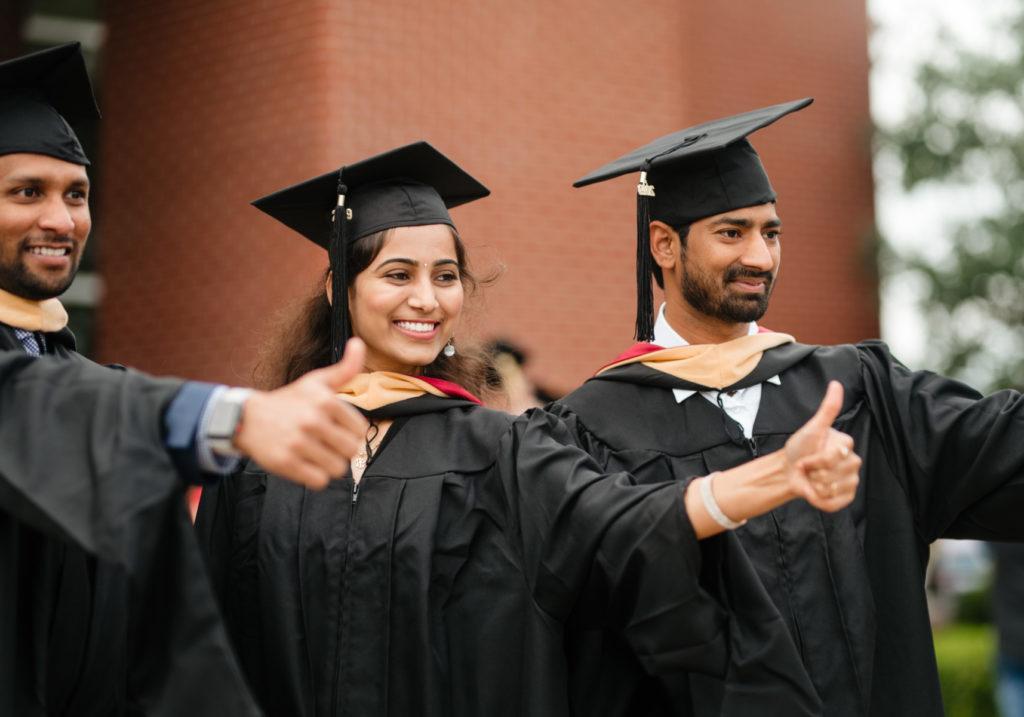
(359, 461)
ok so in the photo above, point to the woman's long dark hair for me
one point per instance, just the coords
(302, 343)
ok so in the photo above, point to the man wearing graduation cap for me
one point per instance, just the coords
(104, 601)
(707, 389)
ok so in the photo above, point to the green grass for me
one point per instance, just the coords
(966, 655)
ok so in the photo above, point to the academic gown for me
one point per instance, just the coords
(104, 604)
(939, 461)
(443, 584)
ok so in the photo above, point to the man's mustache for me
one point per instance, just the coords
(738, 272)
(57, 240)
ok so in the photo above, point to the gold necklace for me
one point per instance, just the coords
(365, 454)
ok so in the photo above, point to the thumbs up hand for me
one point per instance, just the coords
(824, 470)
(303, 431)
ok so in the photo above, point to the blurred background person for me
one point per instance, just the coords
(509, 376)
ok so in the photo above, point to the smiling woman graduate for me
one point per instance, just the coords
(438, 576)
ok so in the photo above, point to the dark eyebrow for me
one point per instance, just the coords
(733, 221)
(745, 223)
(410, 262)
(25, 179)
(78, 183)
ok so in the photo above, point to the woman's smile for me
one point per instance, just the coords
(418, 330)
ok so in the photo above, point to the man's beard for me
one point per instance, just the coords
(15, 277)
(710, 295)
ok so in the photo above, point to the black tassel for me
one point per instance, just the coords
(644, 261)
(340, 328)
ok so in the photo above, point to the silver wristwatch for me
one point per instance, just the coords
(225, 415)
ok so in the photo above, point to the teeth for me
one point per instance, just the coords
(419, 326)
(47, 251)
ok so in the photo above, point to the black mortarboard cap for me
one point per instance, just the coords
(414, 185)
(40, 94)
(691, 174)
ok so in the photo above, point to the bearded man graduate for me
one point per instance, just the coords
(105, 606)
(707, 389)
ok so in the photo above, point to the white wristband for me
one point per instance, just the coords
(707, 495)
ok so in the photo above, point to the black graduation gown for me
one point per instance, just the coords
(104, 604)
(939, 461)
(443, 584)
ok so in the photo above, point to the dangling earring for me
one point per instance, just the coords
(449, 348)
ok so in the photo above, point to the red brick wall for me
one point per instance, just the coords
(211, 103)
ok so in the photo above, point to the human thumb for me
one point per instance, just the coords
(338, 375)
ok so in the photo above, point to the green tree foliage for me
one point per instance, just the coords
(967, 132)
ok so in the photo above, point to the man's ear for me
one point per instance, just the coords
(329, 288)
(664, 246)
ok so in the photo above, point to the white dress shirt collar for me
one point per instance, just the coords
(741, 405)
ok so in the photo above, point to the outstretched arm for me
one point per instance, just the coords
(82, 458)
(957, 454)
(817, 464)
(603, 553)
(72, 435)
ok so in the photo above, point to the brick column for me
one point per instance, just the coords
(207, 105)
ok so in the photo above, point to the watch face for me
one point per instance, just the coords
(224, 420)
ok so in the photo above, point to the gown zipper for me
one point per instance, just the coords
(345, 593)
(343, 598)
(790, 593)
